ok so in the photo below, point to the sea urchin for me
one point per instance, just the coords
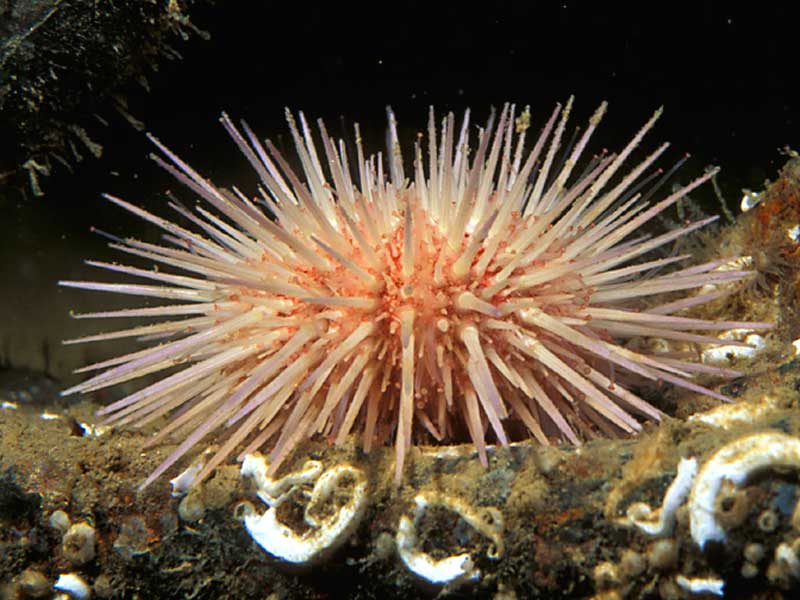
(484, 289)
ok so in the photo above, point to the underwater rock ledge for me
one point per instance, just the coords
(541, 522)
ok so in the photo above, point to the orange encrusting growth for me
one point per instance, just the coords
(478, 291)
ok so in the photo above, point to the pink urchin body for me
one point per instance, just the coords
(478, 291)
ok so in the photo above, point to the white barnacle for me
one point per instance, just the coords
(735, 462)
(740, 263)
(702, 585)
(326, 531)
(184, 481)
(719, 355)
(749, 200)
(91, 430)
(456, 568)
(73, 585)
(659, 522)
(78, 543)
(726, 416)
(786, 555)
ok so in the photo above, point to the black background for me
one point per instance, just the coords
(726, 76)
